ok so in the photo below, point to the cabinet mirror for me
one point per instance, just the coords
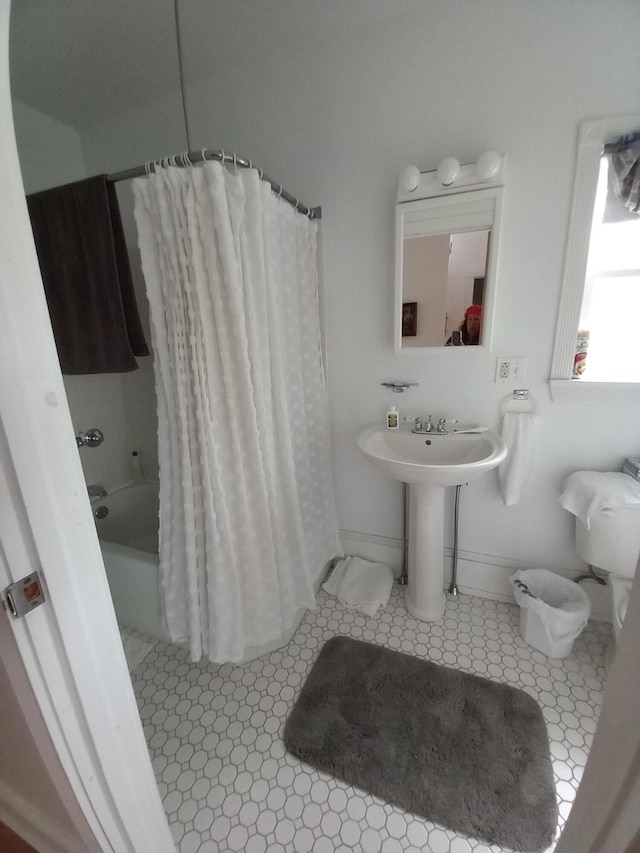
(446, 261)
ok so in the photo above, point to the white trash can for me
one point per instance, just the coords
(553, 611)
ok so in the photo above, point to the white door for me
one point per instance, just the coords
(70, 646)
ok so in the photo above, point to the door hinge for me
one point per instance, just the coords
(25, 595)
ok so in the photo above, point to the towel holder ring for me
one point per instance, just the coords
(519, 401)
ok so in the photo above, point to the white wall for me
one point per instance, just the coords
(338, 120)
(51, 154)
(333, 100)
(425, 268)
(132, 139)
(50, 151)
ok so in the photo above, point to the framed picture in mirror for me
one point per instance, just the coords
(409, 319)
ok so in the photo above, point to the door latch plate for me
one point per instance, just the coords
(25, 595)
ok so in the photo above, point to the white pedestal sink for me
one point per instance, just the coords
(429, 463)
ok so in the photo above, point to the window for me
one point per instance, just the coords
(612, 290)
(601, 282)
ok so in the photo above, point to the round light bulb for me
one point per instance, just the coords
(448, 171)
(488, 165)
(409, 179)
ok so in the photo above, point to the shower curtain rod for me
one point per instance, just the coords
(188, 159)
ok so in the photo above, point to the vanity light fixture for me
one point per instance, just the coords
(488, 165)
(452, 176)
(448, 171)
(409, 179)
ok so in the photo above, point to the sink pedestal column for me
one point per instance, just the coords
(425, 598)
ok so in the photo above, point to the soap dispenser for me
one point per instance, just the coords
(393, 418)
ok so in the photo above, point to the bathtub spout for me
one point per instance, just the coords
(96, 491)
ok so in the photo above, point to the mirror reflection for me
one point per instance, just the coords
(443, 281)
(446, 257)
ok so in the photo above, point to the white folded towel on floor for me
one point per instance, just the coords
(135, 648)
(360, 585)
(586, 492)
(519, 434)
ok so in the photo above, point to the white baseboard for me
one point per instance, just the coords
(484, 575)
(25, 819)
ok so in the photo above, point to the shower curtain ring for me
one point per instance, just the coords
(203, 154)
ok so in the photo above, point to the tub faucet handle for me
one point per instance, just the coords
(91, 438)
(97, 491)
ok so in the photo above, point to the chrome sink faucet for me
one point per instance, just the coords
(421, 427)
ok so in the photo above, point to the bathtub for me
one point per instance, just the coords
(128, 536)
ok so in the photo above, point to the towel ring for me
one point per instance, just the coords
(518, 402)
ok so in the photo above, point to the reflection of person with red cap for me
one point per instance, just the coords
(469, 334)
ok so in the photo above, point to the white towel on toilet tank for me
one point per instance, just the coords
(360, 585)
(519, 434)
(586, 492)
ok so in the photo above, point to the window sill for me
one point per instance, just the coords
(577, 389)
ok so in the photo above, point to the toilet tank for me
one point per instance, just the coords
(612, 541)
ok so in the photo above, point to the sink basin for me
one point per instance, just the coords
(437, 460)
(429, 463)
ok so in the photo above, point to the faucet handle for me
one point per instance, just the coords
(442, 425)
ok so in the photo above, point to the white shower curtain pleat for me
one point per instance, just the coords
(247, 514)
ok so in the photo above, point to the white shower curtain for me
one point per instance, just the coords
(247, 514)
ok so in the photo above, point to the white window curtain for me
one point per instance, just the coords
(247, 513)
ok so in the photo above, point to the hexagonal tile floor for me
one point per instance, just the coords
(228, 784)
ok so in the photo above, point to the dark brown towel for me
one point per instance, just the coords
(87, 280)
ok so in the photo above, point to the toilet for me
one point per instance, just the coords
(607, 528)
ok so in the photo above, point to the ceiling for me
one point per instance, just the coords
(83, 61)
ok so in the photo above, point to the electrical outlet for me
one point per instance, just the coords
(510, 369)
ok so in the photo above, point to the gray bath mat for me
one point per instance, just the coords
(460, 750)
